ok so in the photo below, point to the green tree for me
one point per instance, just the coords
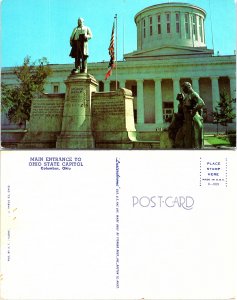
(224, 111)
(31, 77)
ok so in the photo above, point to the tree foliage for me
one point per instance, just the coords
(224, 111)
(31, 77)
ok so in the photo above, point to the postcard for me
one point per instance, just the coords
(118, 225)
(118, 150)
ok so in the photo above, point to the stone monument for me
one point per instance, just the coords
(113, 119)
(76, 132)
(83, 118)
(45, 122)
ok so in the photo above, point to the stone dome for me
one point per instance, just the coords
(169, 25)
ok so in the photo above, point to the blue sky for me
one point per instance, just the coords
(41, 28)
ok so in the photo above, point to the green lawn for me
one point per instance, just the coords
(218, 140)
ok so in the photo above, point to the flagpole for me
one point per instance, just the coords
(113, 52)
(116, 50)
(123, 38)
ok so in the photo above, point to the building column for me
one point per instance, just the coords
(106, 85)
(215, 92)
(232, 87)
(176, 90)
(158, 102)
(122, 83)
(140, 102)
(195, 84)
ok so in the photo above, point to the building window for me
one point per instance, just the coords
(113, 85)
(168, 110)
(177, 19)
(134, 90)
(168, 22)
(150, 25)
(195, 27)
(144, 29)
(55, 88)
(187, 31)
(167, 114)
(200, 29)
(158, 24)
(135, 115)
(101, 86)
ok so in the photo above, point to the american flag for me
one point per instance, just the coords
(111, 53)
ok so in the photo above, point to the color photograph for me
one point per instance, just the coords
(118, 75)
(83, 83)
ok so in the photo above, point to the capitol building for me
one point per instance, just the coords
(171, 49)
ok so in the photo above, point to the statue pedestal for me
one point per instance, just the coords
(113, 120)
(76, 132)
(45, 122)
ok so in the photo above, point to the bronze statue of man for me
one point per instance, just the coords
(79, 43)
(175, 130)
(193, 120)
(186, 128)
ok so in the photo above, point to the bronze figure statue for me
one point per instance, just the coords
(79, 43)
(186, 128)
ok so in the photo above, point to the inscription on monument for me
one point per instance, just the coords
(113, 120)
(77, 99)
(77, 94)
(103, 106)
(46, 108)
